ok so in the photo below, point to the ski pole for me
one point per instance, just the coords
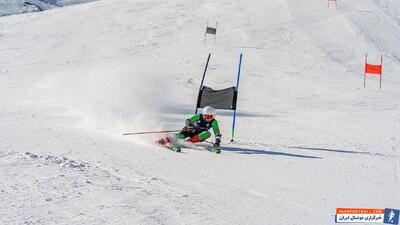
(151, 132)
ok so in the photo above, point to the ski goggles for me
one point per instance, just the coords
(208, 117)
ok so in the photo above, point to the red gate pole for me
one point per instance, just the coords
(365, 69)
(380, 79)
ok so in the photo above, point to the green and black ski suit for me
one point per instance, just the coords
(200, 133)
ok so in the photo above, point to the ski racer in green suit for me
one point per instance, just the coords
(196, 128)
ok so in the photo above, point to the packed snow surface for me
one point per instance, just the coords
(309, 138)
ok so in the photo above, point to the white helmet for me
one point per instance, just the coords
(209, 110)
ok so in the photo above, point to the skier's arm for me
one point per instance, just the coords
(217, 133)
(191, 120)
(189, 123)
(195, 118)
(215, 128)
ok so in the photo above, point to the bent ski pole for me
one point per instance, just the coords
(151, 132)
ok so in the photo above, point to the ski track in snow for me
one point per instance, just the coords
(66, 187)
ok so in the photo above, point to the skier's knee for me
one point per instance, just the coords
(204, 135)
(180, 136)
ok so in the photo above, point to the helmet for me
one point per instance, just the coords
(209, 110)
(209, 113)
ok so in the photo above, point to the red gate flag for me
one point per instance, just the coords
(373, 69)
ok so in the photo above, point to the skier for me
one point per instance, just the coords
(196, 128)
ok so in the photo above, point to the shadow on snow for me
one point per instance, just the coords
(264, 152)
(336, 150)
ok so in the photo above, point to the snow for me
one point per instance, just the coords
(11, 7)
(309, 137)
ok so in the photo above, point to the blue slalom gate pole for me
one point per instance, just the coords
(237, 91)
(202, 81)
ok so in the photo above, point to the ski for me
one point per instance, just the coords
(215, 150)
(206, 148)
(173, 148)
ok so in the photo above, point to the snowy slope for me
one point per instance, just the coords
(11, 7)
(309, 137)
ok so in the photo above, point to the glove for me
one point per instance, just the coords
(217, 141)
(189, 126)
(188, 123)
